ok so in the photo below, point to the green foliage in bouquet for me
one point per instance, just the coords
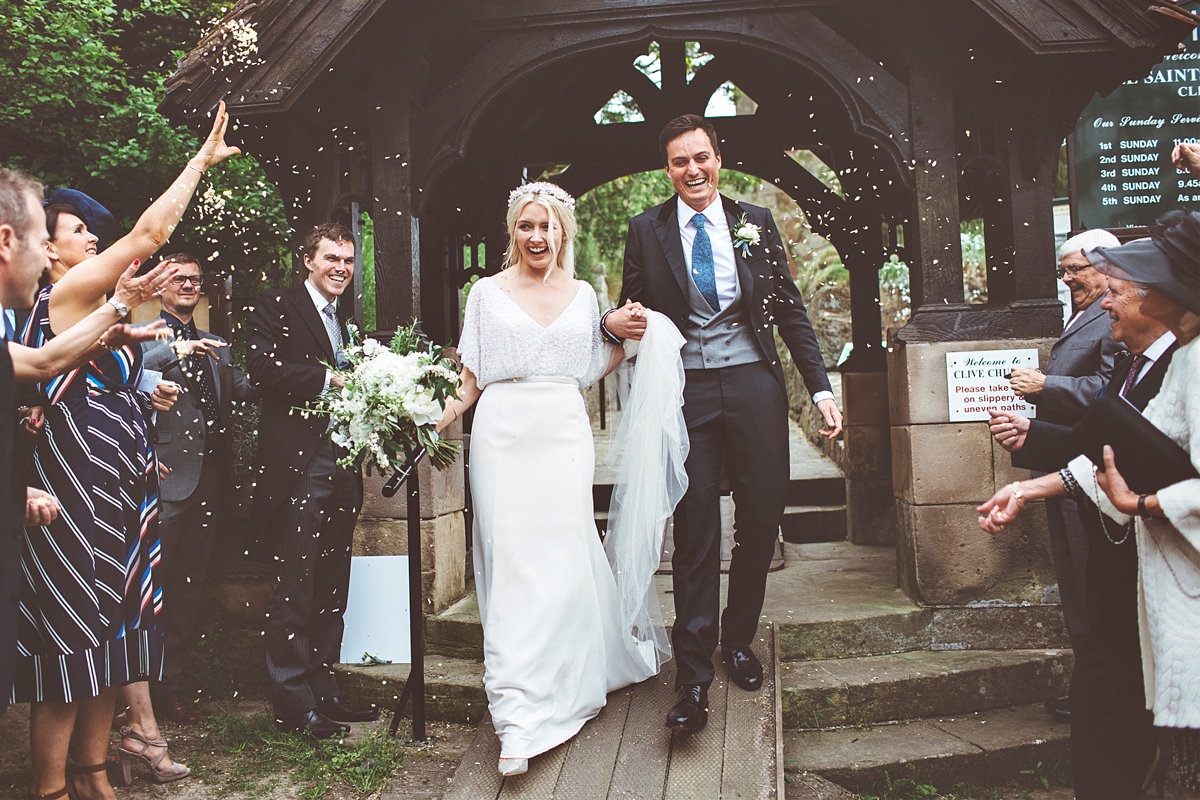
(391, 402)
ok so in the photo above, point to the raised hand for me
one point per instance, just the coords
(125, 335)
(214, 150)
(133, 289)
(185, 348)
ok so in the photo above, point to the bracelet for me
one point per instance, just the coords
(1017, 494)
(103, 343)
(1142, 511)
(1069, 482)
(193, 166)
(453, 409)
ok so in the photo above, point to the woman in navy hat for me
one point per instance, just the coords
(90, 596)
(1165, 270)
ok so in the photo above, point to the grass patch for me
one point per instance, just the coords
(254, 755)
(905, 788)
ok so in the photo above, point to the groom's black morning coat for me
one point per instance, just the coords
(656, 276)
(737, 418)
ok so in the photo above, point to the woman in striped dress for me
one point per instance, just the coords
(89, 594)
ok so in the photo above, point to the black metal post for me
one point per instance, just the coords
(603, 405)
(414, 687)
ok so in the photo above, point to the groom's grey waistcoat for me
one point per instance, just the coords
(720, 339)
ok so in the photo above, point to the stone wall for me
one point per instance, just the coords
(942, 470)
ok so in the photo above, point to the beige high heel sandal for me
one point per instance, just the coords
(165, 775)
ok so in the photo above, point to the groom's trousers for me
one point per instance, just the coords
(736, 416)
(312, 531)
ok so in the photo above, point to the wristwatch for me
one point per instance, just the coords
(122, 309)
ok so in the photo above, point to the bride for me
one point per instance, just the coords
(563, 623)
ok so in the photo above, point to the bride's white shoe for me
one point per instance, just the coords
(513, 766)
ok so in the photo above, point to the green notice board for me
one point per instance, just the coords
(1123, 171)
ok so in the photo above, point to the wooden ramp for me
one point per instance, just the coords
(627, 752)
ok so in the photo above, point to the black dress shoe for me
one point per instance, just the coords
(744, 667)
(690, 712)
(314, 723)
(337, 710)
(1059, 709)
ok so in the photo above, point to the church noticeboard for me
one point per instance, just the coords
(1123, 171)
(977, 380)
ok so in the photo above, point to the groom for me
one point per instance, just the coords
(726, 298)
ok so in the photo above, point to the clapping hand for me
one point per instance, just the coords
(1009, 431)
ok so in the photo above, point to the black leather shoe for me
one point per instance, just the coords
(337, 710)
(690, 712)
(1059, 709)
(314, 723)
(744, 668)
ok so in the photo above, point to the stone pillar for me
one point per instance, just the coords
(942, 470)
(383, 527)
(867, 459)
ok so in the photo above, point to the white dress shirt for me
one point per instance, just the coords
(1153, 353)
(717, 226)
(320, 302)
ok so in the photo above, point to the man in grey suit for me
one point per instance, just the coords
(196, 452)
(1080, 364)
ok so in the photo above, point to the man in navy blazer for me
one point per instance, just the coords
(718, 270)
(303, 499)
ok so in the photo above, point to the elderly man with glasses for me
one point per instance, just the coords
(1080, 364)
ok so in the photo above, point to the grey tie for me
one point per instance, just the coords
(329, 314)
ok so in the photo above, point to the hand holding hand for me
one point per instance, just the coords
(1186, 156)
(133, 289)
(1027, 381)
(1009, 430)
(337, 380)
(164, 395)
(214, 150)
(627, 322)
(40, 508)
(832, 416)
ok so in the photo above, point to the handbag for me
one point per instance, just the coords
(1146, 457)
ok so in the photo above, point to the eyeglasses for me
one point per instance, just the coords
(194, 280)
(1062, 272)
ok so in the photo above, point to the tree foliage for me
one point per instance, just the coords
(80, 85)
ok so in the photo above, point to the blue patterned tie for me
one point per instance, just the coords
(703, 271)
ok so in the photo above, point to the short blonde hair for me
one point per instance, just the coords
(560, 215)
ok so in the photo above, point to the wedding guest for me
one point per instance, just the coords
(22, 261)
(196, 454)
(727, 302)
(1080, 363)
(1165, 274)
(1113, 739)
(554, 638)
(90, 597)
(306, 502)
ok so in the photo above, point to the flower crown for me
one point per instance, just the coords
(542, 187)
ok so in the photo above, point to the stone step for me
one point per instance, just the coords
(861, 691)
(806, 524)
(457, 631)
(453, 687)
(813, 491)
(985, 748)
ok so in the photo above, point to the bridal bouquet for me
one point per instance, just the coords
(392, 399)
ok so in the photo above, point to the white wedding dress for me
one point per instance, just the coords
(556, 638)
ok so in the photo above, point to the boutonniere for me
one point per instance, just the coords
(745, 234)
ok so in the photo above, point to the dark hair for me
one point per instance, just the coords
(183, 258)
(54, 210)
(14, 208)
(684, 124)
(333, 231)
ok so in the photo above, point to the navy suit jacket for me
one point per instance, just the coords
(655, 275)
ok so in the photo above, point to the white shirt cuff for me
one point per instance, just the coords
(819, 396)
(328, 378)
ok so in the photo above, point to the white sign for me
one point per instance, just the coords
(978, 380)
(377, 610)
